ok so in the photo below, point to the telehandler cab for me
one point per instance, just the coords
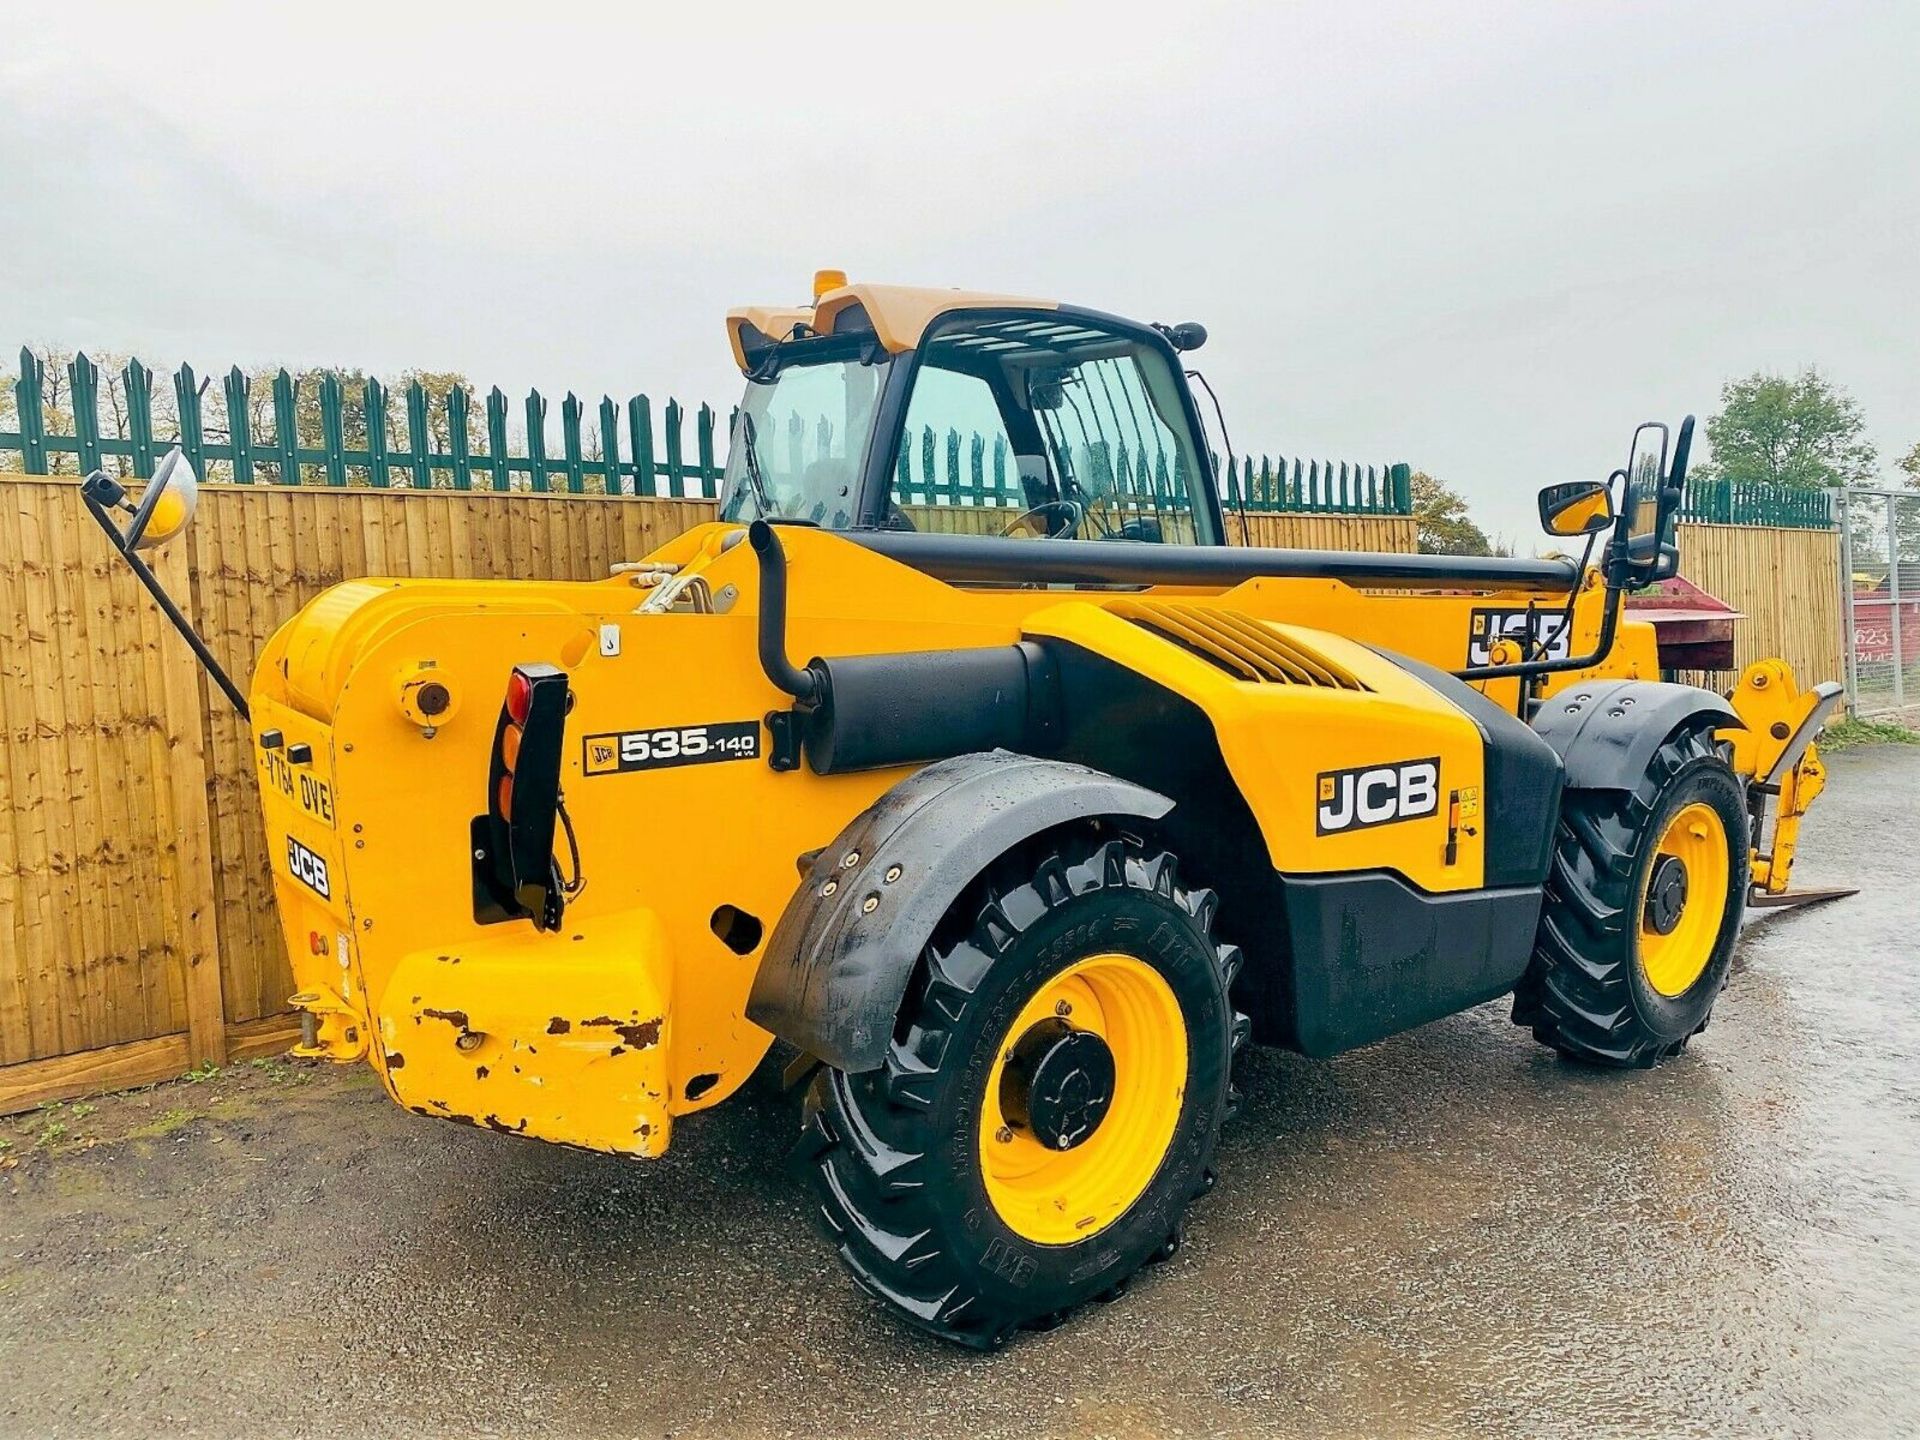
(1015, 814)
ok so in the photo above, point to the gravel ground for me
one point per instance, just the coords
(1449, 1232)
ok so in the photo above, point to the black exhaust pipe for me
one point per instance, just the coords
(803, 685)
(865, 712)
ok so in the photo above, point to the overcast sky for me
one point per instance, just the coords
(1486, 239)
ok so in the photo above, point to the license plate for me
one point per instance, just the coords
(313, 795)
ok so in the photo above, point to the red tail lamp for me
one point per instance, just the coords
(523, 798)
(519, 696)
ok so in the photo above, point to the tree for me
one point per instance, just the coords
(1804, 432)
(1445, 526)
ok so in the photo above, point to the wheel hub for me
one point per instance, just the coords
(1058, 1084)
(1666, 894)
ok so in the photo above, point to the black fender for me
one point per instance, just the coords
(1605, 731)
(837, 966)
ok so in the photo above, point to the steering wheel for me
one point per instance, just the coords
(1069, 511)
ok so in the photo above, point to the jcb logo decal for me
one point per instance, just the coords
(1377, 795)
(1493, 623)
(308, 868)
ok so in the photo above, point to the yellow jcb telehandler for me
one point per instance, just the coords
(1015, 813)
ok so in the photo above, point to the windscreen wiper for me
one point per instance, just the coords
(755, 479)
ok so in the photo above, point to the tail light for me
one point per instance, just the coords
(515, 872)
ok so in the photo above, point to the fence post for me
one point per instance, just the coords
(83, 384)
(286, 431)
(1846, 601)
(497, 439)
(676, 472)
(570, 439)
(33, 421)
(417, 442)
(374, 400)
(139, 382)
(640, 441)
(1893, 595)
(186, 394)
(458, 440)
(610, 445)
(703, 447)
(333, 429)
(239, 429)
(537, 440)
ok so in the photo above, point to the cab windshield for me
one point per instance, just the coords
(800, 438)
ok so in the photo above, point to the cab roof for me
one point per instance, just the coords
(897, 315)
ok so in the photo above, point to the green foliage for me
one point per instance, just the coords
(1851, 732)
(1804, 432)
(1445, 526)
(1909, 466)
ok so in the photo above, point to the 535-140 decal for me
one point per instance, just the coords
(626, 750)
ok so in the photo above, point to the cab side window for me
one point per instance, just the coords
(1045, 428)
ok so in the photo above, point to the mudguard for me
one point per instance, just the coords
(1605, 731)
(840, 958)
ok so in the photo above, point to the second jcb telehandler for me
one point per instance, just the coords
(1014, 812)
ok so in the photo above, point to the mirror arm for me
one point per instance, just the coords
(124, 544)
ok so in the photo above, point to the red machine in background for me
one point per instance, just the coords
(1694, 630)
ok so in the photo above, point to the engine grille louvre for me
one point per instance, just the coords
(1238, 644)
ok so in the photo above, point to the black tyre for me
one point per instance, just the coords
(1642, 910)
(1050, 1102)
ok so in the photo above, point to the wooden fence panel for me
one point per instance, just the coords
(1787, 585)
(1395, 533)
(102, 794)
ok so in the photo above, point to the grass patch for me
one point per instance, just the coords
(165, 1123)
(1848, 733)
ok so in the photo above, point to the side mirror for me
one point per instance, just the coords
(165, 509)
(1578, 507)
(1652, 502)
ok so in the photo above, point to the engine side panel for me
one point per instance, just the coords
(1390, 776)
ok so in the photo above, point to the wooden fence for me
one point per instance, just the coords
(137, 933)
(1786, 582)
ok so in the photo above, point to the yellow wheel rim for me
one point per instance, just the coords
(1057, 1197)
(1675, 948)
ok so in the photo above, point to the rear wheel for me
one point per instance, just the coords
(1050, 1101)
(1642, 910)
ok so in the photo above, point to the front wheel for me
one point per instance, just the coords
(1050, 1101)
(1642, 910)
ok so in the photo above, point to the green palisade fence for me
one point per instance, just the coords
(450, 442)
(952, 469)
(435, 442)
(1756, 502)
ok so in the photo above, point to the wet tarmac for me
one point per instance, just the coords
(1451, 1232)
